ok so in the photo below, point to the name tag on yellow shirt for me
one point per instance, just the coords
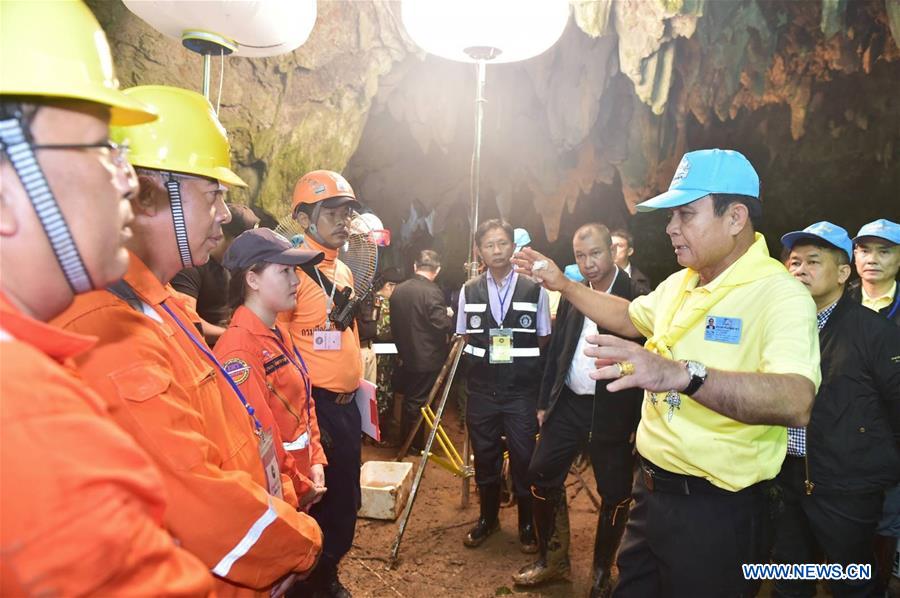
(723, 330)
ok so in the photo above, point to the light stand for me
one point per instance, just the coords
(207, 44)
(476, 31)
(480, 54)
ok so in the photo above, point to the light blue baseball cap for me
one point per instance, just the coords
(881, 228)
(830, 233)
(703, 172)
(521, 238)
(572, 272)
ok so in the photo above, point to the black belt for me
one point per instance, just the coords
(657, 479)
(571, 393)
(340, 398)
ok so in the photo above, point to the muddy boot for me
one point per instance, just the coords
(527, 537)
(328, 585)
(610, 527)
(551, 516)
(488, 523)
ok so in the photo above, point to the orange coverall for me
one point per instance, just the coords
(81, 505)
(181, 409)
(265, 368)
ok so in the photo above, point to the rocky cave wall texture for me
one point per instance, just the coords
(809, 90)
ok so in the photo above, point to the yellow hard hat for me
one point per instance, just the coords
(187, 138)
(58, 50)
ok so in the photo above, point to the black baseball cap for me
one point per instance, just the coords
(265, 245)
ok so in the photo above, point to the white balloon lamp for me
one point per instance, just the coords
(482, 31)
(251, 28)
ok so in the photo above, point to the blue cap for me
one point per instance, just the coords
(703, 172)
(573, 273)
(881, 228)
(521, 238)
(832, 234)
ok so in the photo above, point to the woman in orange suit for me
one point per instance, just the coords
(260, 356)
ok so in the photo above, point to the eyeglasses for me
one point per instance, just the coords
(118, 153)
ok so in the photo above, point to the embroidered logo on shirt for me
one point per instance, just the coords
(275, 363)
(525, 321)
(475, 321)
(237, 369)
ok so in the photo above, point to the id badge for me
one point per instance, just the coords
(501, 345)
(723, 330)
(327, 340)
(270, 463)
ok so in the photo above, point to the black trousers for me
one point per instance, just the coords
(336, 512)
(490, 415)
(691, 545)
(416, 386)
(573, 425)
(835, 527)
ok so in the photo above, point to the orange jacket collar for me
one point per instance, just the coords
(245, 318)
(330, 254)
(51, 341)
(144, 282)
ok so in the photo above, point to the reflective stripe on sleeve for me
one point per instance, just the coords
(475, 307)
(300, 443)
(524, 306)
(247, 542)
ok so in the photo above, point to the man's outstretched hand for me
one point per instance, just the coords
(539, 267)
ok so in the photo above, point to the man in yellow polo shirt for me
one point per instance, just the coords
(732, 357)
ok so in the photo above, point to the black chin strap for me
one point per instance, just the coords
(16, 144)
(181, 237)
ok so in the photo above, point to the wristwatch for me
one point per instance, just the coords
(698, 376)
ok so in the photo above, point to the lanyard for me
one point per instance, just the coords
(330, 300)
(256, 423)
(896, 303)
(509, 286)
(301, 367)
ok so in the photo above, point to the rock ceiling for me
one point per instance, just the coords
(609, 104)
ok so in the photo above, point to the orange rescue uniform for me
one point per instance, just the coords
(265, 366)
(182, 410)
(81, 505)
(337, 371)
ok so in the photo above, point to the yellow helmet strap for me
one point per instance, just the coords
(173, 187)
(16, 143)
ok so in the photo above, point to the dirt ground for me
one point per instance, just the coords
(433, 560)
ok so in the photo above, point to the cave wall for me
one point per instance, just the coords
(806, 88)
(285, 115)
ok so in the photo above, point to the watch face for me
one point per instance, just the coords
(695, 368)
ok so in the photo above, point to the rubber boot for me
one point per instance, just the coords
(551, 516)
(610, 527)
(488, 522)
(527, 537)
(329, 586)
